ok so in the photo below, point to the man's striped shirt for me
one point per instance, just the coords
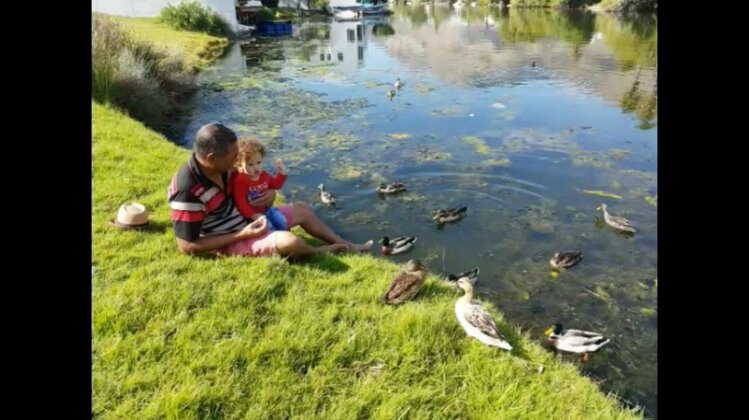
(199, 207)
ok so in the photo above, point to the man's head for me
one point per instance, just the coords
(215, 146)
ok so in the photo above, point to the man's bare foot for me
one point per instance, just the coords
(334, 248)
(362, 247)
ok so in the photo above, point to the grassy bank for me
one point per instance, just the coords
(151, 81)
(197, 50)
(186, 337)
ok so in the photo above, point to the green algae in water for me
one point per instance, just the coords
(539, 219)
(640, 175)
(501, 162)
(410, 197)
(603, 194)
(271, 132)
(242, 129)
(423, 88)
(618, 154)
(653, 201)
(648, 312)
(478, 143)
(424, 155)
(292, 108)
(585, 158)
(399, 136)
(344, 172)
(333, 140)
(507, 116)
(447, 112)
(319, 71)
(600, 294)
(377, 178)
(523, 141)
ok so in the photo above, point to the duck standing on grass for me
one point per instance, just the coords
(476, 321)
(406, 284)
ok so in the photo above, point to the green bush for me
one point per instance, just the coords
(192, 16)
(318, 4)
(637, 6)
(264, 15)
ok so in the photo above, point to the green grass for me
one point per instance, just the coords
(189, 337)
(197, 50)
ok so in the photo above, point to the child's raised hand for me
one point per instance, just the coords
(279, 166)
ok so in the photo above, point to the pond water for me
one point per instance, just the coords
(521, 115)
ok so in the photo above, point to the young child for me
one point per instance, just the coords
(250, 180)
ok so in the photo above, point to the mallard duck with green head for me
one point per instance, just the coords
(575, 341)
(472, 275)
(397, 245)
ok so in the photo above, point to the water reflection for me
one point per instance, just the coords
(488, 46)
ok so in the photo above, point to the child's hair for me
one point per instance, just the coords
(249, 146)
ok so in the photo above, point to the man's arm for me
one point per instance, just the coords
(265, 199)
(212, 243)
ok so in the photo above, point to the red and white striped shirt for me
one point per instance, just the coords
(199, 207)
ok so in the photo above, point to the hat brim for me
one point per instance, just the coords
(114, 223)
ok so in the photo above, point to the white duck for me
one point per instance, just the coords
(325, 196)
(476, 321)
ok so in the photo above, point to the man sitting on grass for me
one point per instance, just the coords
(205, 218)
